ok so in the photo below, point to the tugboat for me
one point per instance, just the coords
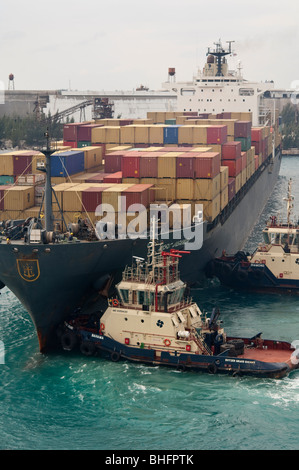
(152, 320)
(273, 267)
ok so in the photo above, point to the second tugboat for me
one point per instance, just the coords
(152, 321)
(273, 267)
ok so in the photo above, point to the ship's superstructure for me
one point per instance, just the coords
(216, 89)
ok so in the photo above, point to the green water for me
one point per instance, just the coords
(67, 401)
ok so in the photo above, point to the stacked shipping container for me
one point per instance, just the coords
(184, 157)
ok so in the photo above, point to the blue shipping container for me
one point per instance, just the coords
(171, 134)
(67, 163)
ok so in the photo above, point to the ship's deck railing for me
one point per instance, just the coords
(144, 274)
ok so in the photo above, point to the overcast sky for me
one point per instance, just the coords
(120, 44)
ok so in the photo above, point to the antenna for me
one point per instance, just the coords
(220, 52)
(289, 200)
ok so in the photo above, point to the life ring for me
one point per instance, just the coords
(115, 356)
(212, 368)
(167, 342)
(102, 327)
(115, 302)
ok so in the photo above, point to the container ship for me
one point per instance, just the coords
(56, 254)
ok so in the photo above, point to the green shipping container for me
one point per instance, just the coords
(83, 143)
(6, 180)
(170, 121)
(245, 143)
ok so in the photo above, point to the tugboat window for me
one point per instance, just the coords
(125, 295)
(141, 297)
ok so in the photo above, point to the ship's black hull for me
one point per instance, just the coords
(51, 281)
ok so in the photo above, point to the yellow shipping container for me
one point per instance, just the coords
(167, 165)
(119, 148)
(113, 135)
(243, 177)
(185, 188)
(166, 189)
(58, 180)
(127, 134)
(141, 134)
(110, 195)
(223, 198)
(210, 208)
(18, 198)
(199, 135)
(92, 156)
(238, 180)
(11, 215)
(59, 191)
(131, 180)
(32, 212)
(185, 135)
(153, 149)
(207, 188)
(98, 135)
(200, 149)
(223, 177)
(156, 134)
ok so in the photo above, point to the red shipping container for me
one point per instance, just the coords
(113, 178)
(203, 116)
(244, 160)
(3, 188)
(113, 162)
(185, 166)
(130, 165)
(84, 131)
(226, 115)
(69, 143)
(216, 134)
(231, 188)
(190, 113)
(231, 150)
(22, 164)
(256, 134)
(70, 131)
(139, 194)
(91, 198)
(243, 129)
(207, 164)
(234, 166)
(149, 164)
(258, 147)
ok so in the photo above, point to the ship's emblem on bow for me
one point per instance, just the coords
(28, 269)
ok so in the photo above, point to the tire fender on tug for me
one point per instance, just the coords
(115, 356)
(68, 340)
(87, 348)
